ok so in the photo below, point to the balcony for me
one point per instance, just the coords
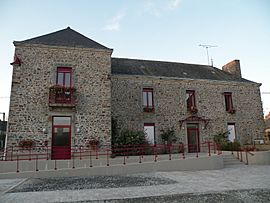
(60, 96)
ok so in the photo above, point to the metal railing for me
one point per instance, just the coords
(242, 154)
(107, 153)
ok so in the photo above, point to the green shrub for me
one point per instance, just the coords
(168, 135)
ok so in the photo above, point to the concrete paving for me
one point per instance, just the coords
(236, 184)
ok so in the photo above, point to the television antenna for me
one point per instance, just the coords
(207, 47)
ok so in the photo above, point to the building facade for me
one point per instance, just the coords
(66, 88)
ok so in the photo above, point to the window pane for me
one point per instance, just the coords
(61, 137)
(61, 120)
(231, 129)
(60, 78)
(67, 79)
(145, 98)
(150, 99)
(150, 134)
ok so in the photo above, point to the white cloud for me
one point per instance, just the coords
(173, 4)
(158, 7)
(114, 23)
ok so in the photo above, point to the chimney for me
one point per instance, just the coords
(233, 67)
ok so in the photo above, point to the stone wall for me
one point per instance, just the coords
(29, 110)
(170, 105)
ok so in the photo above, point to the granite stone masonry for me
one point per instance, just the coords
(170, 106)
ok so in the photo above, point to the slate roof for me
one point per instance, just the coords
(125, 66)
(66, 37)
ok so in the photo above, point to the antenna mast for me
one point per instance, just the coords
(207, 47)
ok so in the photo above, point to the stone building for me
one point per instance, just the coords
(67, 87)
(267, 128)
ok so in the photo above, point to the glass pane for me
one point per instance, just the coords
(61, 120)
(61, 137)
(145, 98)
(150, 134)
(60, 78)
(150, 99)
(67, 79)
(192, 137)
(192, 125)
(231, 135)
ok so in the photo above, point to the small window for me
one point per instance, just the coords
(228, 102)
(64, 77)
(190, 98)
(231, 130)
(148, 100)
(149, 129)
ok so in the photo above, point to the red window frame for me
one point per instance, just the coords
(190, 97)
(228, 101)
(149, 94)
(64, 71)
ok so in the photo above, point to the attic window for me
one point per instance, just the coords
(184, 73)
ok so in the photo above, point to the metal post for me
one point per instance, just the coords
(209, 150)
(247, 157)
(108, 157)
(55, 168)
(170, 154)
(241, 160)
(80, 152)
(90, 158)
(73, 160)
(155, 153)
(36, 162)
(17, 164)
(124, 158)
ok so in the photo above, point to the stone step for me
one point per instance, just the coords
(231, 161)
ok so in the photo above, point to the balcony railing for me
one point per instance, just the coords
(62, 96)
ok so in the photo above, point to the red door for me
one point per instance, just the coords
(61, 138)
(193, 138)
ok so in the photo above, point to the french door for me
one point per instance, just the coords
(61, 138)
(193, 137)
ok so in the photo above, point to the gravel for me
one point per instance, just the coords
(94, 182)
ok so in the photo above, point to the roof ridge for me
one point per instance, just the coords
(171, 62)
(65, 37)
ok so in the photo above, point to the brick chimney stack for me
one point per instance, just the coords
(233, 67)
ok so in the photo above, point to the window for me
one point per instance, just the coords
(149, 129)
(190, 97)
(64, 94)
(228, 102)
(231, 130)
(64, 77)
(148, 100)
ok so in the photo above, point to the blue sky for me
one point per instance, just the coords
(168, 30)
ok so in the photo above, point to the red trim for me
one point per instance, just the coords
(149, 107)
(64, 70)
(191, 101)
(192, 148)
(61, 152)
(228, 101)
(149, 124)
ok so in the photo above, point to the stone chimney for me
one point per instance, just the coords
(233, 67)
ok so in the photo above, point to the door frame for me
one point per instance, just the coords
(68, 156)
(189, 130)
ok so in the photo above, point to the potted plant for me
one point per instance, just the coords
(26, 144)
(93, 144)
(193, 109)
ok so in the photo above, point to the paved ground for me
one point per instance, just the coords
(235, 185)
